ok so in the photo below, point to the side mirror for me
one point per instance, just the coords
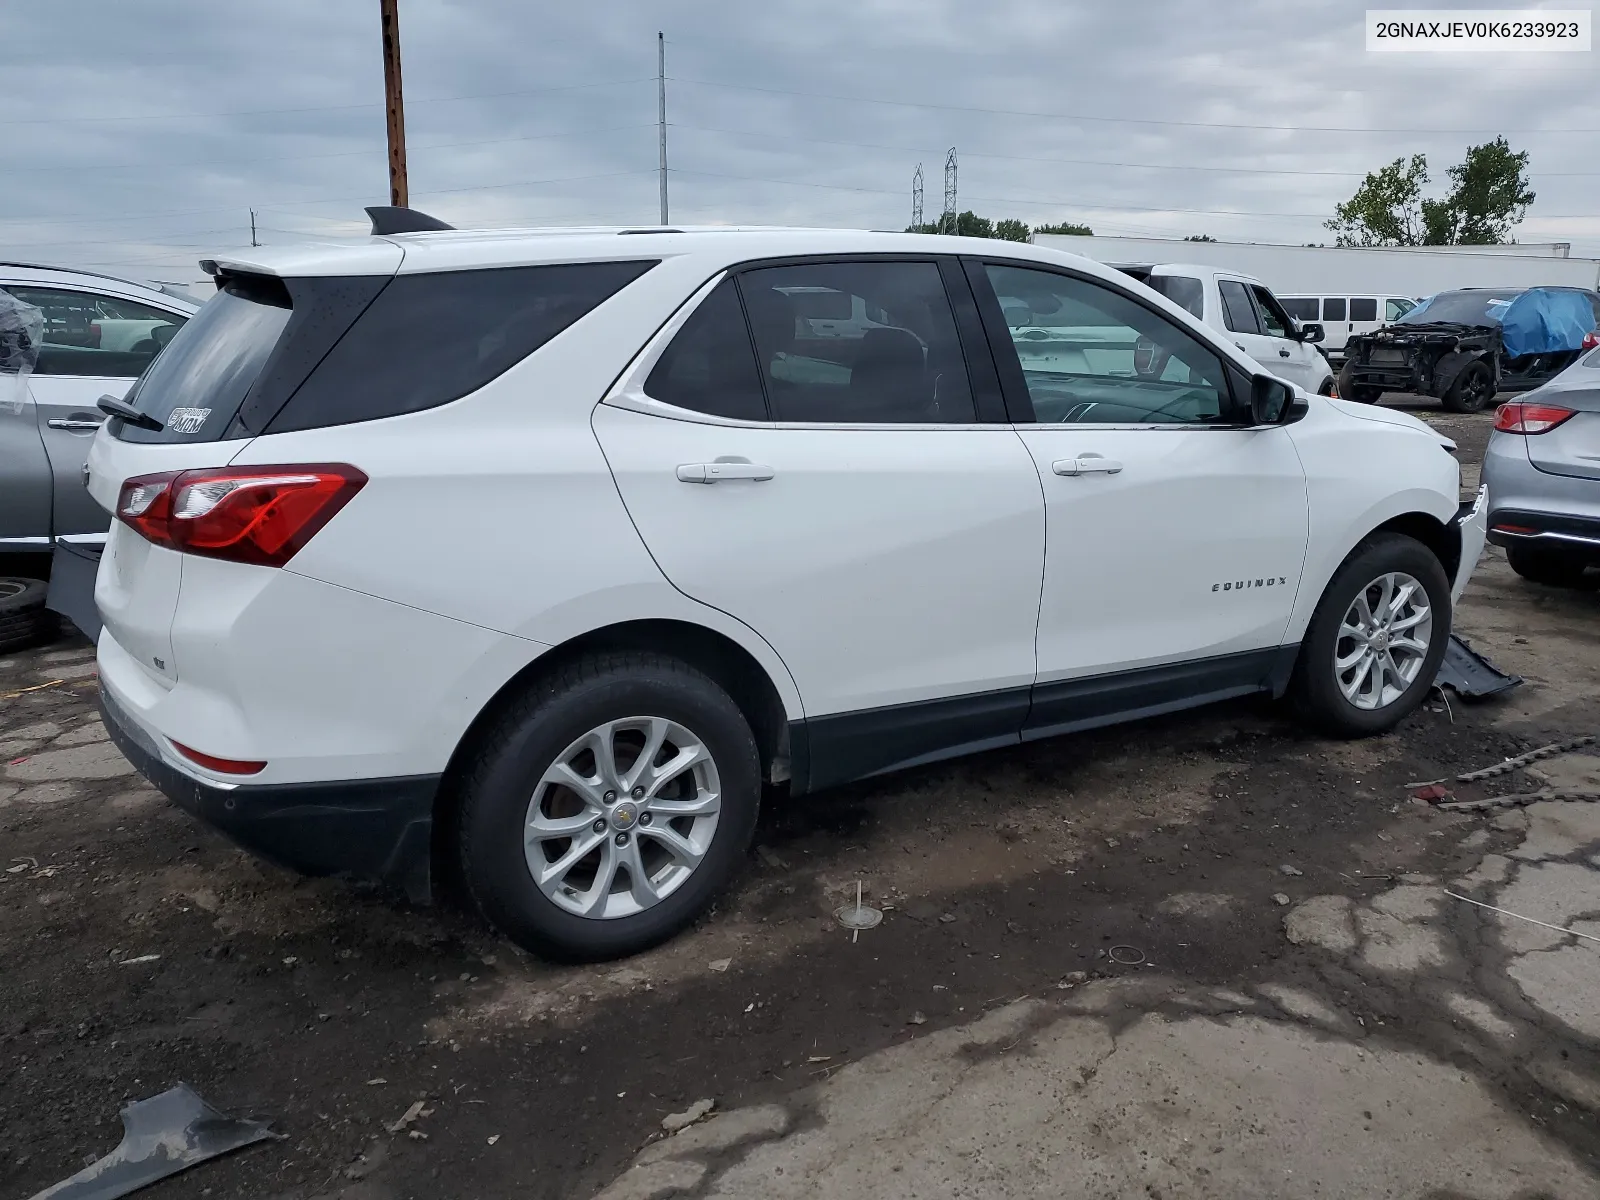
(1270, 400)
(1313, 332)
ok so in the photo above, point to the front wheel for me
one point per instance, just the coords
(1361, 393)
(608, 807)
(1471, 390)
(1375, 642)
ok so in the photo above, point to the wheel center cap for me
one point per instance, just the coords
(624, 816)
(1380, 640)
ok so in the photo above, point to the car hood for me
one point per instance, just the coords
(1387, 416)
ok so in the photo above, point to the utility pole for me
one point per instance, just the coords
(948, 221)
(661, 113)
(916, 201)
(253, 241)
(393, 103)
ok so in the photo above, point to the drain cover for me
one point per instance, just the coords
(858, 916)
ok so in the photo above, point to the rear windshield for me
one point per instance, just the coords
(1464, 308)
(195, 386)
(1182, 290)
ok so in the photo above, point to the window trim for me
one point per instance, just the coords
(7, 284)
(1013, 380)
(1261, 329)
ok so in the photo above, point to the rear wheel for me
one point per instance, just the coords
(24, 620)
(1541, 564)
(1376, 639)
(1471, 390)
(609, 807)
(1361, 393)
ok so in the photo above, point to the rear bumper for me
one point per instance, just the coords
(379, 830)
(1518, 527)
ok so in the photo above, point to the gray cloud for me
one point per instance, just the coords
(139, 137)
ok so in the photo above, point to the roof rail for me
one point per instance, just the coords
(387, 219)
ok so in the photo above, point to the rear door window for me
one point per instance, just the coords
(1185, 291)
(1363, 308)
(1333, 308)
(710, 365)
(1238, 312)
(89, 334)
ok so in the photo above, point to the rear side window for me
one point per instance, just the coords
(1299, 307)
(1183, 290)
(1238, 312)
(1363, 308)
(1333, 308)
(429, 339)
(92, 335)
(198, 384)
(710, 366)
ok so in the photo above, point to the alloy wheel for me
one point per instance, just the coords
(622, 818)
(1383, 641)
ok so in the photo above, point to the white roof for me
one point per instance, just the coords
(70, 277)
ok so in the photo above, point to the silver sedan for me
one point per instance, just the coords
(1542, 468)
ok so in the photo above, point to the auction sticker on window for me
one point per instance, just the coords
(1478, 30)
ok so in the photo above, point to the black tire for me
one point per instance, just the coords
(1361, 393)
(1541, 564)
(1326, 387)
(1471, 390)
(1314, 690)
(24, 620)
(527, 739)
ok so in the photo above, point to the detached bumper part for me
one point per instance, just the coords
(1469, 674)
(375, 830)
(73, 567)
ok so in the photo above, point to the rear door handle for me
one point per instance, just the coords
(72, 423)
(1088, 464)
(716, 472)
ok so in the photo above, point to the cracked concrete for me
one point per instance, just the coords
(1141, 1086)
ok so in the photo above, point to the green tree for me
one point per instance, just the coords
(1066, 227)
(1199, 237)
(1489, 194)
(970, 224)
(1012, 230)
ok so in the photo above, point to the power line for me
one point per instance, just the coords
(271, 112)
(1007, 112)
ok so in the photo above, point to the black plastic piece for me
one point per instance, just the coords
(1469, 674)
(114, 406)
(73, 568)
(378, 830)
(387, 219)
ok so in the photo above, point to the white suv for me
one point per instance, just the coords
(553, 551)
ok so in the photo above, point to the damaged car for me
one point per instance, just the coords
(1464, 346)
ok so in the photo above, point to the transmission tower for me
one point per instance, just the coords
(916, 200)
(947, 219)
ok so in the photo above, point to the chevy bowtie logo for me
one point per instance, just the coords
(1239, 585)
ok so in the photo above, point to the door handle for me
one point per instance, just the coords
(1283, 354)
(73, 423)
(716, 472)
(1240, 345)
(1088, 464)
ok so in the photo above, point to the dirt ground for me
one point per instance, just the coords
(1219, 870)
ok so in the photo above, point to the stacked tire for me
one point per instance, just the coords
(24, 620)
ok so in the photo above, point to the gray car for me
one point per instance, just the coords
(1542, 469)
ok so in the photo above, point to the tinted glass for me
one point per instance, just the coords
(1273, 317)
(1237, 312)
(1090, 355)
(1393, 310)
(1300, 307)
(89, 334)
(1363, 308)
(211, 363)
(1183, 290)
(1465, 308)
(1333, 308)
(896, 359)
(429, 339)
(710, 366)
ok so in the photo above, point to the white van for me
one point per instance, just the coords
(1342, 317)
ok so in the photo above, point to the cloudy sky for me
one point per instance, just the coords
(139, 136)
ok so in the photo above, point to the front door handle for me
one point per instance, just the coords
(1283, 354)
(716, 472)
(1087, 464)
(76, 423)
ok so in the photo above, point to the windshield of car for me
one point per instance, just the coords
(1463, 308)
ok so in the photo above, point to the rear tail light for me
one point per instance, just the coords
(1529, 418)
(260, 515)
(222, 766)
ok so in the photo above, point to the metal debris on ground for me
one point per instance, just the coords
(720, 965)
(1507, 912)
(418, 1109)
(858, 916)
(1127, 956)
(1520, 799)
(1511, 764)
(1469, 674)
(698, 1111)
(160, 1137)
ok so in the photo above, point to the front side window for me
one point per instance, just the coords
(1363, 308)
(1093, 356)
(1393, 310)
(895, 357)
(1333, 308)
(1273, 317)
(1237, 311)
(710, 365)
(90, 334)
